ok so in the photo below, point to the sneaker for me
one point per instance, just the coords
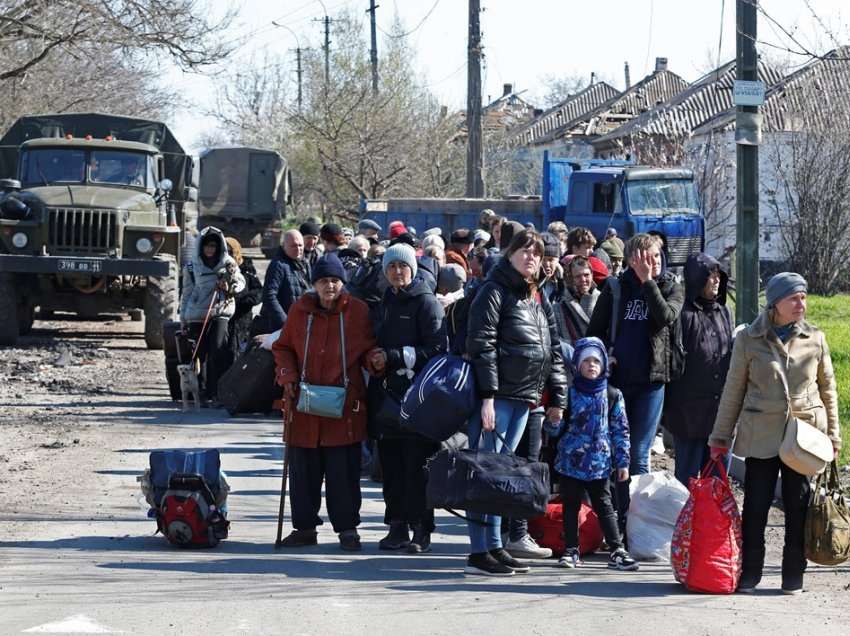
(349, 540)
(421, 541)
(621, 560)
(506, 559)
(792, 585)
(485, 564)
(527, 548)
(570, 559)
(397, 538)
(747, 583)
(299, 539)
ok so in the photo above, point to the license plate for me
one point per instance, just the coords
(82, 265)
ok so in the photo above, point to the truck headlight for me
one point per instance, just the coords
(144, 245)
(20, 240)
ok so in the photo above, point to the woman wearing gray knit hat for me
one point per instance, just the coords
(779, 358)
(411, 331)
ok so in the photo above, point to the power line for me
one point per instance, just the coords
(414, 29)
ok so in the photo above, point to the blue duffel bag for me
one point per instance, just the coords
(441, 398)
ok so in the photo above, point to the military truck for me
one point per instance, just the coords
(244, 192)
(92, 220)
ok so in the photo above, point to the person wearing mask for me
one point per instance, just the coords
(325, 449)
(239, 329)
(287, 279)
(690, 402)
(637, 330)
(411, 331)
(753, 413)
(578, 302)
(460, 244)
(310, 238)
(211, 280)
(512, 342)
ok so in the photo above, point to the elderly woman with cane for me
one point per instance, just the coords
(325, 343)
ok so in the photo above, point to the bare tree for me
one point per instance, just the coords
(557, 88)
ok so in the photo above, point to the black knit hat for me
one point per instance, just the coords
(329, 266)
(309, 229)
(332, 232)
(462, 237)
(551, 245)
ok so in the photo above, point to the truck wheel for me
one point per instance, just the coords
(9, 326)
(160, 303)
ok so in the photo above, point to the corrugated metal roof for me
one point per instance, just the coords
(701, 101)
(814, 90)
(583, 102)
(652, 90)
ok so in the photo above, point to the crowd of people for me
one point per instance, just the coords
(579, 346)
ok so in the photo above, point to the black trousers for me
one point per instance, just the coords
(529, 448)
(403, 463)
(759, 489)
(599, 490)
(339, 468)
(213, 352)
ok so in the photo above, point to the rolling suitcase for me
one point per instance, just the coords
(178, 349)
(249, 386)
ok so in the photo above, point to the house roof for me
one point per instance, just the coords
(808, 91)
(575, 106)
(701, 101)
(656, 88)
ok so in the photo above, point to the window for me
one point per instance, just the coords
(662, 197)
(120, 168)
(44, 166)
(603, 197)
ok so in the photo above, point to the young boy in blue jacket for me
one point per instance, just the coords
(594, 430)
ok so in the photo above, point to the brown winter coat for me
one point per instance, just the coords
(324, 366)
(453, 256)
(754, 397)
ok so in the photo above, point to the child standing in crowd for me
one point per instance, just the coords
(594, 429)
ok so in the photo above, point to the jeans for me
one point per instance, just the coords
(644, 404)
(529, 448)
(599, 490)
(759, 489)
(511, 416)
(691, 456)
(339, 468)
(403, 463)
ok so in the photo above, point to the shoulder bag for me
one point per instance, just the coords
(323, 401)
(804, 448)
(827, 529)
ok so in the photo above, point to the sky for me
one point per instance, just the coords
(526, 40)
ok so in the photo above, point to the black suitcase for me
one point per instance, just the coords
(248, 386)
(176, 343)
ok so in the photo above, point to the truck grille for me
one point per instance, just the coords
(679, 248)
(81, 231)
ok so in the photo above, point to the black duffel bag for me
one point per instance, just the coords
(488, 483)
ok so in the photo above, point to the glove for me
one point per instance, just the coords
(717, 453)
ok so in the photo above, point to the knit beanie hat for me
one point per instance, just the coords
(783, 285)
(452, 278)
(329, 266)
(400, 252)
(551, 245)
(598, 269)
(332, 233)
(396, 229)
(309, 229)
(431, 231)
(509, 229)
(433, 239)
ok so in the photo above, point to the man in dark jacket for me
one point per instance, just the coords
(690, 403)
(460, 244)
(286, 281)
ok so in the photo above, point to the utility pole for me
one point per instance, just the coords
(373, 52)
(474, 158)
(747, 135)
(327, 47)
(299, 72)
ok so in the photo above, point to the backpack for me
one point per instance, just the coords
(446, 386)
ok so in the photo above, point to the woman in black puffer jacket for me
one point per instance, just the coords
(513, 344)
(412, 330)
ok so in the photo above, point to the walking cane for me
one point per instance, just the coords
(287, 422)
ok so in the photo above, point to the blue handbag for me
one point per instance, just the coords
(315, 399)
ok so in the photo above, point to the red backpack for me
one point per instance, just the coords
(548, 530)
(187, 515)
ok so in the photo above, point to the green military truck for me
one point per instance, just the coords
(244, 193)
(93, 217)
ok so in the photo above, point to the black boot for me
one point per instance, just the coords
(299, 539)
(421, 541)
(397, 538)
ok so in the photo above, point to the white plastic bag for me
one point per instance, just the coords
(656, 500)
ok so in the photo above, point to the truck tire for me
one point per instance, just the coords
(9, 327)
(160, 303)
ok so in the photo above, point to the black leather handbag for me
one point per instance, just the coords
(488, 482)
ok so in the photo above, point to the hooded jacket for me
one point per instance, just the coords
(573, 313)
(513, 341)
(200, 281)
(286, 281)
(594, 430)
(690, 403)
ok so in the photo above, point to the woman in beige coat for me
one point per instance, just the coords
(753, 411)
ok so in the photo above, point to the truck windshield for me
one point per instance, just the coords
(661, 197)
(124, 168)
(53, 165)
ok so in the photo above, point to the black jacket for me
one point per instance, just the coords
(350, 260)
(428, 270)
(239, 327)
(690, 403)
(286, 281)
(664, 297)
(513, 341)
